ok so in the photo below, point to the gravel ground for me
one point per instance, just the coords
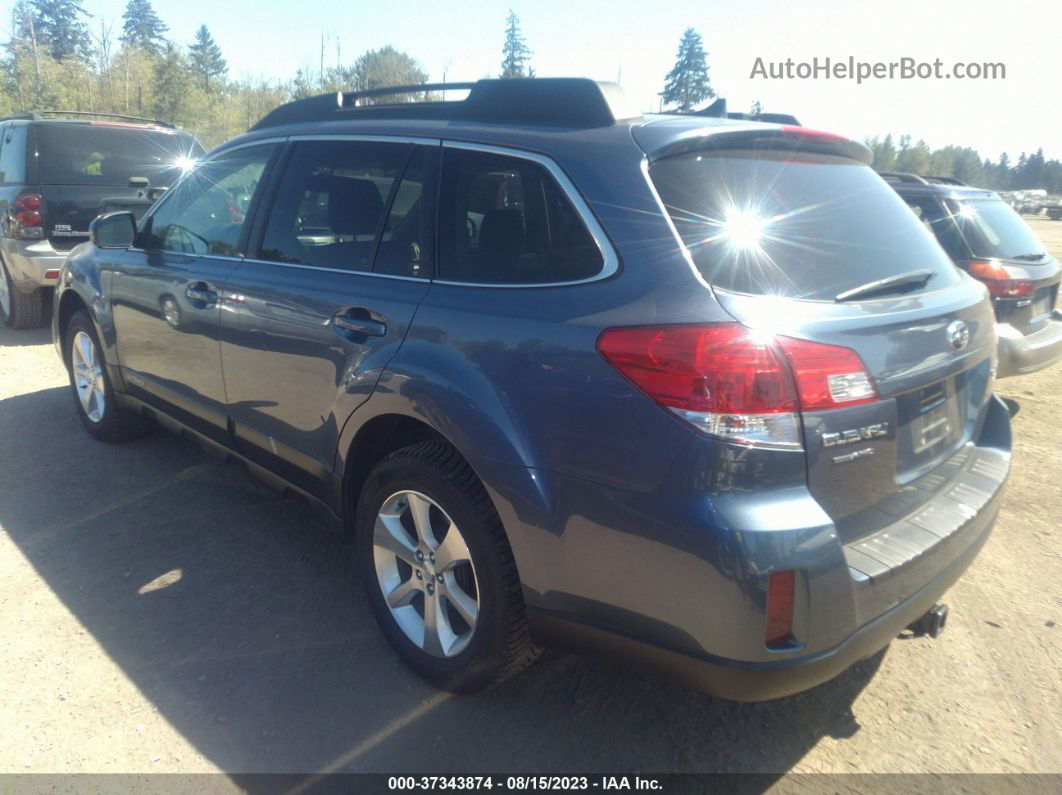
(161, 613)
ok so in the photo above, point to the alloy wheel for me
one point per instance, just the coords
(88, 376)
(425, 573)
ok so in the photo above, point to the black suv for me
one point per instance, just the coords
(990, 241)
(56, 175)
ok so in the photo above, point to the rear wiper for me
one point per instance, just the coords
(1031, 257)
(888, 284)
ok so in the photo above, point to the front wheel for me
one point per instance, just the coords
(91, 386)
(438, 570)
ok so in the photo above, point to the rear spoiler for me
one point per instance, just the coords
(782, 137)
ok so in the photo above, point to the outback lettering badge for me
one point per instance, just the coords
(875, 431)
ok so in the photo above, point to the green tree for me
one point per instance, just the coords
(59, 27)
(383, 68)
(515, 51)
(142, 27)
(204, 57)
(172, 85)
(913, 159)
(687, 84)
(757, 108)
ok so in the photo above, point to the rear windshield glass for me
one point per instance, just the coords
(797, 225)
(84, 154)
(993, 229)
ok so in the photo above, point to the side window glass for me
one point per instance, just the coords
(402, 243)
(330, 203)
(13, 154)
(206, 210)
(937, 219)
(505, 220)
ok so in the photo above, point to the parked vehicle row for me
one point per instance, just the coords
(56, 175)
(702, 394)
(990, 241)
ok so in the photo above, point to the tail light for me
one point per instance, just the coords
(735, 384)
(780, 594)
(999, 282)
(28, 219)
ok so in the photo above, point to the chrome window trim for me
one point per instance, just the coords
(348, 271)
(609, 258)
(379, 138)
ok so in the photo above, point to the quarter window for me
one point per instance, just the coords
(330, 203)
(206, 210)
(505, 220)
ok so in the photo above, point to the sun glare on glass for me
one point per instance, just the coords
(744, 229)
(184, 163)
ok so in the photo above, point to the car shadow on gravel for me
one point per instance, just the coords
(10, 338)
(240, 619)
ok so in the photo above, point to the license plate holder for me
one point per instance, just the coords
(939, 420)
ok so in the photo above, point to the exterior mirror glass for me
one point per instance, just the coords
(113, 230)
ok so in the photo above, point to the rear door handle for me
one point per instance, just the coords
(359, 321)
(201, 293)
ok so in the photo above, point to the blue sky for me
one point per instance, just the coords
(636, 41)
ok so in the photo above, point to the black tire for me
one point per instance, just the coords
(500, 645)
(115, 424)
(25, 310)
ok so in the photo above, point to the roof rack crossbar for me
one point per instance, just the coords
(36, 115)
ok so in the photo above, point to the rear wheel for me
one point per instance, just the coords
(17, 309)
(438, 571)
(91, 386)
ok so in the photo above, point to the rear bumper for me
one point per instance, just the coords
(693, 605)
(1020, 353)
(31, 263)
(740, 681)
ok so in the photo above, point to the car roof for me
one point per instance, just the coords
(941, 189)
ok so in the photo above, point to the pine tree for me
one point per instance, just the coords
(687, 84)
(59, 28)
(205, 58)
(515, 50)
(757, 108)
(172, 84)
(143, 28)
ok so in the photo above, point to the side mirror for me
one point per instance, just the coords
(113, 230)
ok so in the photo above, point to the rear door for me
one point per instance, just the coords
(815, 246)
(313, 315)
(166, 291)
(88, 168)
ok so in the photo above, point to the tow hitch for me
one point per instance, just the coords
(932, 623)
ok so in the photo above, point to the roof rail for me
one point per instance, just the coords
(37, 115)
(718, 110)
(554, 101)
(946, 181)
(902, 176)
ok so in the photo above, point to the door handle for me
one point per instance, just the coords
(359, 321)
(201, 293)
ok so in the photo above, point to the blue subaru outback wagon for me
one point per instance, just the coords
(699, 393)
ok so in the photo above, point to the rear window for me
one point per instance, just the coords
(796, 225)
(86, 154)
(993, 229)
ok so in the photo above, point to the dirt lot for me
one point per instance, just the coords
(159, 612)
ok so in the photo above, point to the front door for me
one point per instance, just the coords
(166, 290)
